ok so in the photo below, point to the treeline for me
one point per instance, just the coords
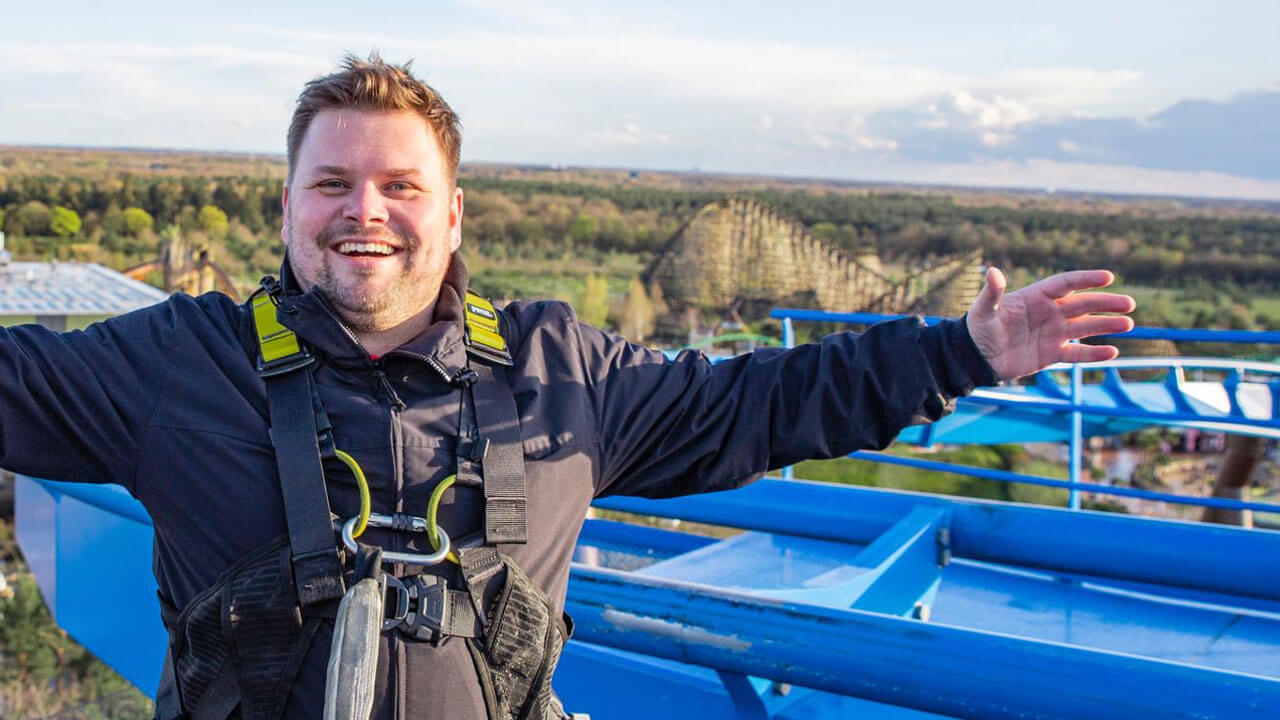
(122, 218)
(899, 226)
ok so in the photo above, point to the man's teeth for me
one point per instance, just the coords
(348, 248)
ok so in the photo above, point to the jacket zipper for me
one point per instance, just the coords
(458, 379)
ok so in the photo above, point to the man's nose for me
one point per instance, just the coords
(365, 205)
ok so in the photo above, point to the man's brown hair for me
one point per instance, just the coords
(374, 84)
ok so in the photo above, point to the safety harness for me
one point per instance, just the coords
(239, 644)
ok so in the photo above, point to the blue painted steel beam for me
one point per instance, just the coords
(951, 671)
(906, 563)
(788, 341)
(1012, 477)
(1077, 440)
(108, 604)
(1113, 384)
(1216, 558)
(1251, 337)
(646, 540)
(1185, 417)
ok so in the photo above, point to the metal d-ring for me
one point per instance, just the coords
(417, 524)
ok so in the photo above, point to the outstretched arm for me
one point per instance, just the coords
(1021, 332)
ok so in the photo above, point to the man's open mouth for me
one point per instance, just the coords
(364, 249)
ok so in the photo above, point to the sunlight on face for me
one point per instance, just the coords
(372, 216)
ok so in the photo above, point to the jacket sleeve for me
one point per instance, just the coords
(72, 404)
(683, 426)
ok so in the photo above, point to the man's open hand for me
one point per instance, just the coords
(1024, 331)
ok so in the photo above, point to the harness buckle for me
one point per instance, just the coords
(420, 608)
(287, 364)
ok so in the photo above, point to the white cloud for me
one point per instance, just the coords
(538, 87)
(152, 95)
(849, 137)
(627, 134)
(963, 109)
(995, 139)
(1057, 90)
(1090, 177)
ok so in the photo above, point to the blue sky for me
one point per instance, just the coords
(1147, 97)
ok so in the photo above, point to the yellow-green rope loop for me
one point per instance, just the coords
(366, 505)
(432, 535)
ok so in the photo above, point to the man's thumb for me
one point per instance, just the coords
(992, 292)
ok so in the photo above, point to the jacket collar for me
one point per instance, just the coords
(310, 315)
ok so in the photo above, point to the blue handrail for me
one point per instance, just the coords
(1071, 407)
(1259, 337)
(1013, 477)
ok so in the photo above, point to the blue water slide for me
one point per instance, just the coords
(792, 599)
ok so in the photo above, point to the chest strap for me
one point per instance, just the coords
(282, 363)
(498, 447)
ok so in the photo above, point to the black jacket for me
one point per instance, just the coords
(165, 402)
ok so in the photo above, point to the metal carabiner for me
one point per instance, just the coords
(417, 524)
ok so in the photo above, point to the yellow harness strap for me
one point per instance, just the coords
(278, 348)
(484, 336)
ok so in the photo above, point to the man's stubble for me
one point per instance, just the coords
(369, 311)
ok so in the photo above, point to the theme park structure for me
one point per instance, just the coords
(842, 602)
(740, 251)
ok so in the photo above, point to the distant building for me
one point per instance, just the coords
(67, 296)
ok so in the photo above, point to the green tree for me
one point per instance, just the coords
(616, 233)
(28, 635)
(594, 308)
(213, 221)
(137, 221)
(113, 220)
(637, 319)
(824, 232)
(1, 218)
(584, 228)
(31, 218)
(64, 222)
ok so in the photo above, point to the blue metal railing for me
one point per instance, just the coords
(1072, 407)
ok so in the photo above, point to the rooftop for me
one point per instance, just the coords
(37, 288)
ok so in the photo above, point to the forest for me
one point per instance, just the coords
(1207, 264)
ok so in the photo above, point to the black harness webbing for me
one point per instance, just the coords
(505, 501)
(317, 572)
(498, 447)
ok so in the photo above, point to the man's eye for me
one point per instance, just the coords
(399, 187)
(331, 184)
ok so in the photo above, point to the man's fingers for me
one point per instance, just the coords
(989, 299)
(1098, 325)
(1080, 353)
(1062, 284)
(1085, 303)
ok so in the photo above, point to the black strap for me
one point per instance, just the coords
(479, 565)
(222, 696)
(168, 704)
(217, 703)
(317, 573)
(505, 502)
(461, 616)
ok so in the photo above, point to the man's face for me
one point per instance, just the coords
(371, 215)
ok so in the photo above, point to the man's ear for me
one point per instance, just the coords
(284, 206)
(455, 220)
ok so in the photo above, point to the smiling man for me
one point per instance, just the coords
(372, 216)
(370, 387)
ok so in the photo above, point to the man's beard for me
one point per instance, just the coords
(365, 309)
